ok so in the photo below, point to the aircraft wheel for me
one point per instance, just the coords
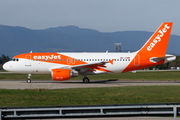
(86, 80)
(28, 80)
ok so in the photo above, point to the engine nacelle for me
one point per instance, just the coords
(63, 74)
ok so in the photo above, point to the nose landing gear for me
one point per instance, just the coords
(29, 78)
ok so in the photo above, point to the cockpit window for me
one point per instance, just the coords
(15, 59)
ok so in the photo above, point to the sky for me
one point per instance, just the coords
(101, 15)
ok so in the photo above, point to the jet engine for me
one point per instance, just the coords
(63, 74)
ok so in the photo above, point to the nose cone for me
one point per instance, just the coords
(6, 66)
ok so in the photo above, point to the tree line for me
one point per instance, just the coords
(3, 59)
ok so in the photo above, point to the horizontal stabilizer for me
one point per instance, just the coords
(167, 58)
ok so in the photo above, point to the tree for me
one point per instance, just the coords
(4, 59)
(1, 61)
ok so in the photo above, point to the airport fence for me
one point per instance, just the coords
(165, 109)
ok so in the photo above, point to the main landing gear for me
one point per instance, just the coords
(29, 78)
(86, 80)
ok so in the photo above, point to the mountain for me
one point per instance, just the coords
(17, 40)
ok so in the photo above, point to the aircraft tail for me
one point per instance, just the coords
(158, 42)
(154, 51)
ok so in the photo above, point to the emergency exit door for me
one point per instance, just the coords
(137, 60)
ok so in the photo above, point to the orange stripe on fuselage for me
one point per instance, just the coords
(144, 62)
(57, 59)
(51, 58)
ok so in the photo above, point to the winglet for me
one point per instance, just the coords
(111, 61)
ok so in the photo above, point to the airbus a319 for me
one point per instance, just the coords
(63, 66)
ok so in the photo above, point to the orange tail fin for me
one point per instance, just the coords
(155, 47)
(158, 42)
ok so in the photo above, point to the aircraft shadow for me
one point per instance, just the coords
(99, 81)
(76, 81)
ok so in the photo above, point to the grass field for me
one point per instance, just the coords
(94, 96)
(165, 75)
(90, 96)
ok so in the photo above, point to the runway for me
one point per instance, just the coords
(49, 84)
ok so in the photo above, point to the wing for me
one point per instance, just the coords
(93, 66)
(87, 67)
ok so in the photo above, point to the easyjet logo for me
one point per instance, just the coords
(158, 37)
(47, 57)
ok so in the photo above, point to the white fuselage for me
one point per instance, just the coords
(23, 65)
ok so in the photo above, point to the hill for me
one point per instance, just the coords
(16, 40)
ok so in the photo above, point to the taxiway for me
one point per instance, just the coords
(49, 84)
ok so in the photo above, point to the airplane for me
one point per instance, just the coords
(63, 66)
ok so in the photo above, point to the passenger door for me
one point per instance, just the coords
(28, 60)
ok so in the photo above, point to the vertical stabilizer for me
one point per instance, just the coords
(158, 42)
(155, 47)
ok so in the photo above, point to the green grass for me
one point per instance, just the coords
(169, 75)
(90, 96)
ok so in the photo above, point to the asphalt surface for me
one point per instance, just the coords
(49, 84)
